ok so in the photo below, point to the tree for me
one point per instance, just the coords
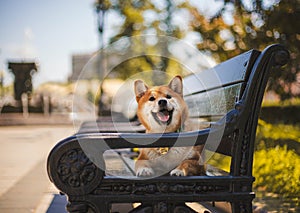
(233, 28)
(145, 17)
(255, 25)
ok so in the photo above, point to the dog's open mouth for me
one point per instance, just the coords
(163, 116)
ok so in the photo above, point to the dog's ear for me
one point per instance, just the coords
(176, 84)
(140, 89)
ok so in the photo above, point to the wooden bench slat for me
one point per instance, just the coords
(116, 166)
(235, 70)
(121, 165)
(213, 103)
(92, 127)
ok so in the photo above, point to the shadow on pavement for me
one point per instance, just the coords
(58, 204)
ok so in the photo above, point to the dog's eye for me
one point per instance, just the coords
(168, 96)
(152, 99)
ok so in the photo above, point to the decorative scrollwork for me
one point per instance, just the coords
(71, 171)
(244, 150)
(75, 169)
(158, 188)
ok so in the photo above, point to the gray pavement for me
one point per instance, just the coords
(24, 184)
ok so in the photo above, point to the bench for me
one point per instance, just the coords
(228, 97)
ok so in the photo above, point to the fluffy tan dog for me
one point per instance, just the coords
(161, 109)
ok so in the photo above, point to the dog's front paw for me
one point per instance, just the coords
(177, 172)
(144, 172)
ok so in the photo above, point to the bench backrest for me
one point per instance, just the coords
(232, 93)
(212, 93)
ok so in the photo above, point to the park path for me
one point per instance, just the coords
(24, 184)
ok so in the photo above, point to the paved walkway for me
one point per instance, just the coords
(24, 184)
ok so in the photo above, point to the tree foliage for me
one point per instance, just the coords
(141, 18)
(233, 28)
(254, 26)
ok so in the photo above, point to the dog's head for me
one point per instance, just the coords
(161, 108)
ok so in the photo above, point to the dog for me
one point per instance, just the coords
(161, 109)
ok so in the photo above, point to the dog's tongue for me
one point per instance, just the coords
(163, 116)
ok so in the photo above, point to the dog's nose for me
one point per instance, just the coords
(162, 103)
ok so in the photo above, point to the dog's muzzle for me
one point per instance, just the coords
(163, 116)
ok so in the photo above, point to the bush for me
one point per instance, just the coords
(277, 132)
(276, 162)
(271, 135)
(277, 170)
